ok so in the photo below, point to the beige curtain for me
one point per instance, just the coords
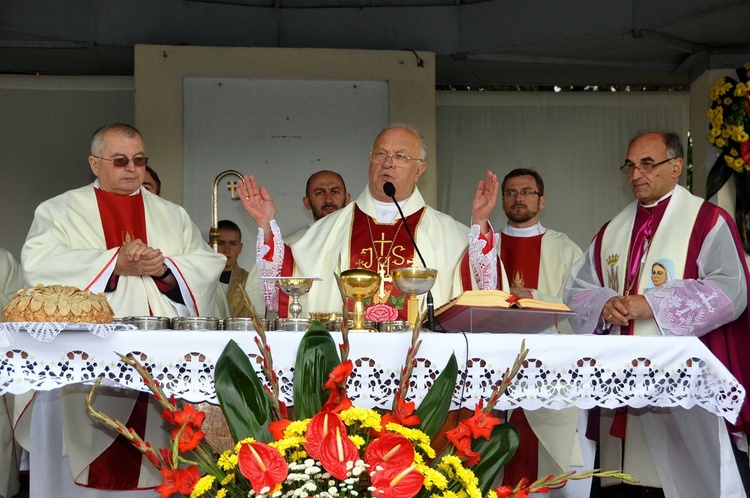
(576, 141)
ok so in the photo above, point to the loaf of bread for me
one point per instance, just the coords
(58, 303)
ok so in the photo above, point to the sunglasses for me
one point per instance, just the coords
(122, 161)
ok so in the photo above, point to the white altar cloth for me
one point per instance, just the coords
(560, 371)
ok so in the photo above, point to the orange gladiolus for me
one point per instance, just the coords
(337, 377)
(177, 481)
(481, 423)
(189, 438)
(278, 427)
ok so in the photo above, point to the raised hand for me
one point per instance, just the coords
(484, 201)
(258, 203)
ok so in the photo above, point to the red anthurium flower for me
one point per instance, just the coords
(189, 438)
(262, 465)
(336, 450)
(481, 424)
(321, 425)
(337, 377)
(397, 482)
(177, 481)
(278, 427)
(388, 451)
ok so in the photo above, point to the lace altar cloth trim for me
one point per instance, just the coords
(560, 371)
(47, 331)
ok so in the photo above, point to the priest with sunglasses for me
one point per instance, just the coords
(150, 259)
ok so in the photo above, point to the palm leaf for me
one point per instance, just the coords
(496, 453)
(435, 406)
(240, 393)
(316, 358)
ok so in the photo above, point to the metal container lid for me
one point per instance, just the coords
(393, 326)
(149, 322)
(292, 324)
(195, 323)
(239, 323)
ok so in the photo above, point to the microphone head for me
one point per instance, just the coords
(389, 189)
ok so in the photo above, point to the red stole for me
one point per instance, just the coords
(521, 257)
(382, 247)
(118, 467)
(123, 217)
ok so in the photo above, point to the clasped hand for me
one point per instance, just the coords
(620, 309)
(136, 258)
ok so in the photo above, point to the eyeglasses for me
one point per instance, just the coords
(122, 161)
(378, 157)
(628, 168)
(524, 193)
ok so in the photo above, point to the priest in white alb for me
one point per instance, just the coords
(369, 233)
(149, 258)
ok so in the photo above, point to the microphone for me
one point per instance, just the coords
(390, 190)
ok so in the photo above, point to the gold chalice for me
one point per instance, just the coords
(358, 285)
(413, 281)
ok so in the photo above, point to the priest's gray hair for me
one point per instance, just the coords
(97, 140)
(422, 141)
(672, 141)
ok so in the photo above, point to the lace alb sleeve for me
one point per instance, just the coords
(483, 266)
(272, 268)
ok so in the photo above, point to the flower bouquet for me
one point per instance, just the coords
(729, 119)
(326, 447)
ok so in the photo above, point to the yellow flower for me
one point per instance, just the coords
(416, 436)
(727, 100)
(433, 478)
(733, 152)
(227, 461)
(239, 445)
(358, 441)
(720, 88)
(720, 143)
(740, 90)
(492, 494)
(297, 428)
(731, 163)
(229, 478)
(293, 443)
(365, 417)
(203, 485)
(222, 493)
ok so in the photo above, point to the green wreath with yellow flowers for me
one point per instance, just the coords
(729, 117)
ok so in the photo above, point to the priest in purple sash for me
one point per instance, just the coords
(673, 451)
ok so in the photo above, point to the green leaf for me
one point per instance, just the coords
(496, 453)
(241, 396)
(317, 356)
(718, 176)
(435, 406)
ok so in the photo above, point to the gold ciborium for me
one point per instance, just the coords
(358, 285)
(413, 281)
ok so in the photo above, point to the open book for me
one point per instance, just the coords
(498, 311)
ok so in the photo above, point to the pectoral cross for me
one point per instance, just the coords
(384, 277)
(232, 187)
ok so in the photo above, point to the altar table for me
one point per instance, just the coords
(560, 371)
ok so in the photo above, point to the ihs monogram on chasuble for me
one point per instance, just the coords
(376, 259)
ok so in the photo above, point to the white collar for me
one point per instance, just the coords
(387, 212)
(657, 202)
(524, 232)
